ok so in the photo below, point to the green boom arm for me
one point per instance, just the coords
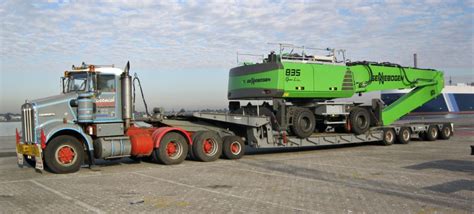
(426, 84)
(423, 93)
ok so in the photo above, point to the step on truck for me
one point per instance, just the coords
(93, 116)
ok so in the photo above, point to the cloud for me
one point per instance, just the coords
(157, 31)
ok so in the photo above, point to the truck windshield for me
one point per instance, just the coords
(76, 82)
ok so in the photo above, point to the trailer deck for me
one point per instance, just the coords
(259, 132)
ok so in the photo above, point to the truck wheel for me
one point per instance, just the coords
(432, 133)
(388, 137)
(173, 149)
(64, 154)
(233, 147)
(446, 132)
(207, 146)
(403, 136)
(360, 120)
(303, 123)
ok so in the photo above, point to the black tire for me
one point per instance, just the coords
(207, 146)
(359, 119)
(233, 147)
(64, 154)
(403, 136)
(303, 123)
(388, 137)
(173, 149)
(191, 149)
(446, 132)
(432, 133)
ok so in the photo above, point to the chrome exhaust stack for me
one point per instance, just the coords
(127, 109)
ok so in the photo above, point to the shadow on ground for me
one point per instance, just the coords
(453, 186)
(449, 165)
(367, 184)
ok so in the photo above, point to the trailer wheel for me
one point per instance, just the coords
(446, 132)
(388, 137)
(173, 149)
(360, 120)
(233, 147)
(432, 133)
(64, 154)
(207, 146)
(403, 136)
(303, 123)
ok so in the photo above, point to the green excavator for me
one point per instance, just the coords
(303, 87)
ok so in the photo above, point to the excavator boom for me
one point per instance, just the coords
(426, 84)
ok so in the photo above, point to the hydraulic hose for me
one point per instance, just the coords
(141, 91)
(371, 73)
(404, 74)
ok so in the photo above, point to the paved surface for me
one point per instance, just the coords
(421, 177)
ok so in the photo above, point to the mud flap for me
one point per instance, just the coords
(19, 159)
(39, 158)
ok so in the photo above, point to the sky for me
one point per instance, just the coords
(183, 50)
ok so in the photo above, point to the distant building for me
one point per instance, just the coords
(3, 118)
(15, 117)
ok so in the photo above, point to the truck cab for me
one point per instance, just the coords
(87, 108)
(100, 85)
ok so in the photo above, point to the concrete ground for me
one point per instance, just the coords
(421, 177)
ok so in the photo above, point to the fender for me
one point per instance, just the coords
(160, 132)
(69, 127)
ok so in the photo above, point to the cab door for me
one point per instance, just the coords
(107, 101)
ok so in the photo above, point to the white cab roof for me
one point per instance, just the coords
(103, 70)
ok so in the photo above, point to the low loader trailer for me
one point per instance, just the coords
(92, 118)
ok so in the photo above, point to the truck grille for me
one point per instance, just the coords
(28, 123)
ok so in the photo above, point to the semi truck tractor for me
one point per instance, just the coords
(93, 116)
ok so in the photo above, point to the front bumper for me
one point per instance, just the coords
(31, 151)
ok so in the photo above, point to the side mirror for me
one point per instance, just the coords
(62, 84)
(93, 83)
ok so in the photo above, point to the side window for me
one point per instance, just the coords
(106, 83)
(79, 85)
